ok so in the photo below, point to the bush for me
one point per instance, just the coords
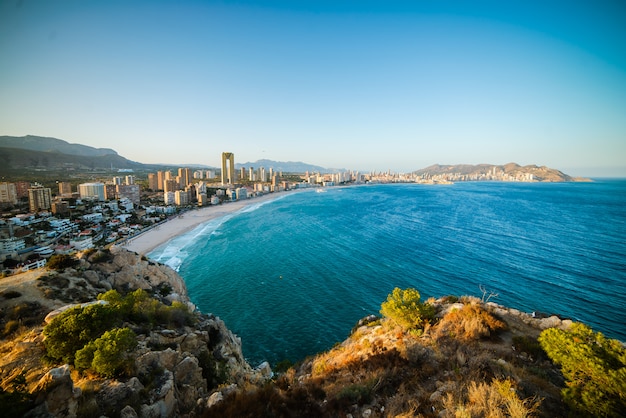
(74, 328)
(60, 262)
(498, 399)
(109, 354)
(594, 368)
(404, 308)
(471, 322)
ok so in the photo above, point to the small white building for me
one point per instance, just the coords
(82, 243)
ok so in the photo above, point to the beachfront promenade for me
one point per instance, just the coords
(161, 233)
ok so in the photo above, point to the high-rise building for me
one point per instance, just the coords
(39, 198)
(185, 176)
(181, 197)
(118, 180)
(130, 192)
(110, 191)
(242, 173)
(21, 187)
(228, 168)
(263, 175)
(8, 193)
(130, 180)
(65, 188)
(153, 183)
(91, 191)
(170, 185)
(160, 180)
(251, 174)
(169, 198)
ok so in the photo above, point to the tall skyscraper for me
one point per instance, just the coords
(153, 182)
(160, 179)
(39, 198)
(185, 176)
(228, 168)
(170, 185)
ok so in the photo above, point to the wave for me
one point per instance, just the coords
(173, 254)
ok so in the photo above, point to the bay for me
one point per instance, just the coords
(292, 276)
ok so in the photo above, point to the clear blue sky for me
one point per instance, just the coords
(367, 85)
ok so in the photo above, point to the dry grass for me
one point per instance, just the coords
(498, 399)
(469, 323)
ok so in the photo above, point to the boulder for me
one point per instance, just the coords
(128, 412)
(56, 390)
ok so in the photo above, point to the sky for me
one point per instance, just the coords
(363, 85)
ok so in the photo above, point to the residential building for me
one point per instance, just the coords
(185, 176)
(65, 188)
(92, 191)
(21, 187)
(60, 208)
(131, 192)
(39, 198)
(169, 198)
(8, 193)
(153, 183)
(82, 243)
(170, 185)
(160, 180)
(181, 197)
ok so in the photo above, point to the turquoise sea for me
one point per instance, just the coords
(292, 276)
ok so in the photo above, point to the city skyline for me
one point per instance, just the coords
(368, 86)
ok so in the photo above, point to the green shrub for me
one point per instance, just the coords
(74, 328)
(404, 308)
(109, 354)
(60, 262)
(594, 368)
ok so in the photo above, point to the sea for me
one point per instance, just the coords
(292, 276)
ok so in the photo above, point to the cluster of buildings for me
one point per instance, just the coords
(98, 213)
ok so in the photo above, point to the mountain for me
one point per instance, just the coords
(287, 167)
(507, 172)
(50, 154)
(46, 144)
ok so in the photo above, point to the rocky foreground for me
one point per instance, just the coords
(177, 368)
(475, 358)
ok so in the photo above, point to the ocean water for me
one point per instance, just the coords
(292, 276)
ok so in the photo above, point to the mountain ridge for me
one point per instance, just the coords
(49, 144)
(47, 153)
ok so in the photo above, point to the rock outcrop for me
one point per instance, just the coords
(177, 369)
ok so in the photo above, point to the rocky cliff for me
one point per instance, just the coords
(178, 369)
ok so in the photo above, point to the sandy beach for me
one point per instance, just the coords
(163, 232)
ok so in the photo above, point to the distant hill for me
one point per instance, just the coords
(510, 171)
(49, 154)
(46, 144)
(287, 167)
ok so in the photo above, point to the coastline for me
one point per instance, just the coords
(154, 237)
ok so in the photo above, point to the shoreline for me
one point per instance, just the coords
(155, 236)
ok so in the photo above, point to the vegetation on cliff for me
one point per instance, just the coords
(97, 337)
(594, 366)
(448, 358)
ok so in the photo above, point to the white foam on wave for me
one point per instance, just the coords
(173, 254)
